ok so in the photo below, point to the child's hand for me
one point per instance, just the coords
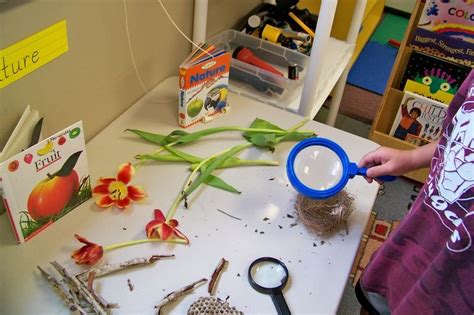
(386, 161)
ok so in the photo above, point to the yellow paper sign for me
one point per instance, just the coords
(27, 55)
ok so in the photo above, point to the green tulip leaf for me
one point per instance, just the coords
(217, 182)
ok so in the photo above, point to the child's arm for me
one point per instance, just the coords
(388, 161)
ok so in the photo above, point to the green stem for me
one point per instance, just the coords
(143, 161)
(181, 195)
(189, 186)
(174, 206)
(198, 134)
(298, 125)
(147, 240)
(228, 164)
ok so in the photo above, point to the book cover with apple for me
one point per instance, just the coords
(45, 182)
(203, 84)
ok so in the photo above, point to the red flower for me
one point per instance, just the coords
(88, 254)
(115, 190)
(162, 229)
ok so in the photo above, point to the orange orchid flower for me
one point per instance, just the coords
(162, 229)
(88, 254)
(114, 191)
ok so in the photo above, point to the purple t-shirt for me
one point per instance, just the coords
(427, 265)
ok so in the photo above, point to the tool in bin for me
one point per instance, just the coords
(246, 55)
(272, 34)
(288, 33)
(254, 82)
(301, 24)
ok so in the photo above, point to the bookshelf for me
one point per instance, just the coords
(393, 96)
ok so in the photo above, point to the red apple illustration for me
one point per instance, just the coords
(49, 197)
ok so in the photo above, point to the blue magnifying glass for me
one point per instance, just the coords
(319, 168)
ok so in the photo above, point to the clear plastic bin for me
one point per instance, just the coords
(258, 83)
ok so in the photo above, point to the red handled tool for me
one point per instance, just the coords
(246, 55)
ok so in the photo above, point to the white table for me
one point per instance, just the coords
(317, 273)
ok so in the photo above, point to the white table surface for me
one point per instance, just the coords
(318, 274)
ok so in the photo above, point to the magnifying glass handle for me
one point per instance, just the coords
(280, 303)
(386, 178)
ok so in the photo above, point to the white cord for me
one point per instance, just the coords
(131, 50)
(180, 31)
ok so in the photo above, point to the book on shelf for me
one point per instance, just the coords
(443, 46)
(41, 183)
(446, 30)
(453, 18)
(203, 85)
(432, 77)
(419, 119)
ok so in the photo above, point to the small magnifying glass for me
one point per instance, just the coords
(269, 275)
(319, 168)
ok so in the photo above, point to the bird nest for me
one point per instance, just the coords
(325, 216)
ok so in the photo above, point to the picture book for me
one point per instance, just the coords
(44, 182)
(203, 84)
(419, 120)
(432, 77)
(443, 46)
(453, 18)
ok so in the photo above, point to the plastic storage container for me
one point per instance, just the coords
(257, 83)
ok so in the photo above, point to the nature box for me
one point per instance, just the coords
(45, 182)
(419, 120)
(203, 83)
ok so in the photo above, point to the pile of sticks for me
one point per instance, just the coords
(78, 292)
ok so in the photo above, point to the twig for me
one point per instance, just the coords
(67, 297)
(107, 269)
(215, 276)
(74, 283)
(230, 215)
(173, 296)
(97, 296)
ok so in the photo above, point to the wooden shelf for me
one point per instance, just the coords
(392, 98)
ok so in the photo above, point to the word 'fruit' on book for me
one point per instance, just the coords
(203, 84)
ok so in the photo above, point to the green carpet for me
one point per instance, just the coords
(392, 26)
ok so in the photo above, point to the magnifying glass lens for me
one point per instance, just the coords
(318, 167)
(268, 274)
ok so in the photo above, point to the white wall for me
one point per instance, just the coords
(402, 5)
